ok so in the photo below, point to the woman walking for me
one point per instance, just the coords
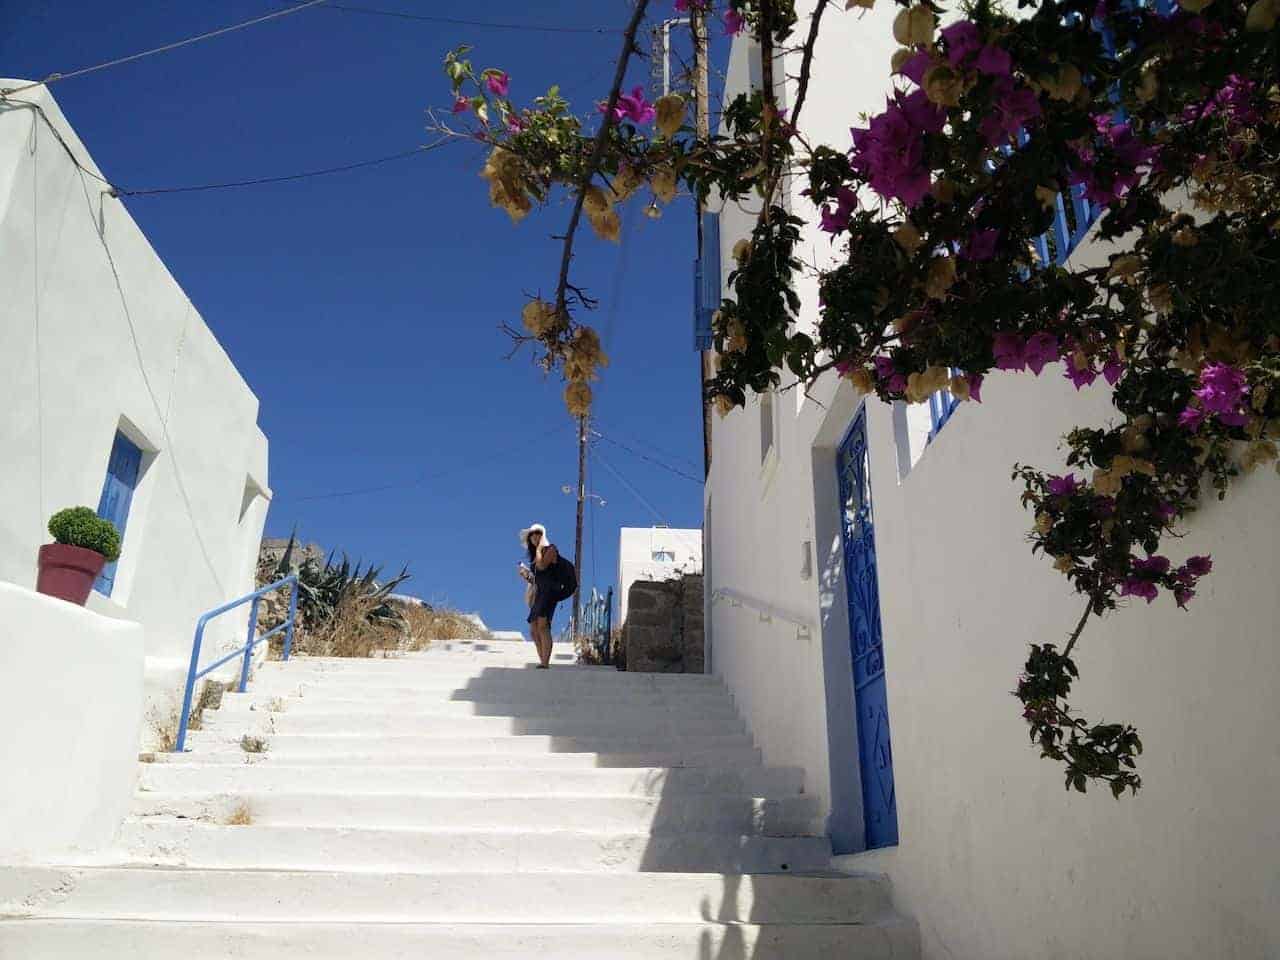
(543, 594)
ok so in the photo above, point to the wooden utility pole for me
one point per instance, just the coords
(702, 105)
(577, 536)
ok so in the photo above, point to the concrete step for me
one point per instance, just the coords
(426, 670)
(428, 725)
(279, 743)
(188, 843)
(269, 688)
(443, 781)
(795, 816)
(636, 709)
(299, 897)
(526, 753)
(148, 940)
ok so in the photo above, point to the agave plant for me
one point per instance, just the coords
(326, 590)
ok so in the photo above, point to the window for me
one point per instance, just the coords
(664, 556)
(766, 425)
(123, 467)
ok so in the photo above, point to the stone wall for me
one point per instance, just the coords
(664, 628)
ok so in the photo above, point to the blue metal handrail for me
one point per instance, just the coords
(251, 641)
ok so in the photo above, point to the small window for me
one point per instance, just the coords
(664, 556)
(117, 496)
(941, 405)
(766, 425)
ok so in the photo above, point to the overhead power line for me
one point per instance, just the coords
(427, 478)
(496, 25)
(117, 191)
(633, 491)
(657, 463)
(285, 178)
(55, 77)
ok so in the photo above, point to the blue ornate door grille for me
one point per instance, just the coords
(875, 755)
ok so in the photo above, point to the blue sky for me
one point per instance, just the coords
(363, 308)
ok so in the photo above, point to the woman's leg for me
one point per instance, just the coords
(542, 638)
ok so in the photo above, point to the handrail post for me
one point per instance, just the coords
(293, 615)
(180, 743)
(249, 644)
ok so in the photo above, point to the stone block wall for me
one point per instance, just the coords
(664, 629)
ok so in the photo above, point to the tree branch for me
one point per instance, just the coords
(1075, 634)
(806, 62)
(597, 151)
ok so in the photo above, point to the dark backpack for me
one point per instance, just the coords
(565, 579)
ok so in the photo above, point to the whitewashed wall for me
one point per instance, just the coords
(636, 548)
(75, 368)
(69, 723)
(995, 859)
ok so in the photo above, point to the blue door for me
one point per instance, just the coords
(875, 755)
(117, 496)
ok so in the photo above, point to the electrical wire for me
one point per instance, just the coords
(634, 492)
(162, 415)
(118, 192)
(55, 77)
(427, 478)
(286, 178)
(657, 463)
(542, 28)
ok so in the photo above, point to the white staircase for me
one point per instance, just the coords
(460, 804)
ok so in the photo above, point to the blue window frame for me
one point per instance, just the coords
(123, 468)
(706, 283)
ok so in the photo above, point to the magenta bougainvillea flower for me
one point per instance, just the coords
(975, 386)
(633, 106)
(1064, 486)
(1198, 566)
(836, 220)
(1042, 348)
(894, 381)
(733, 22)
(1138, 587)
(981, 244)
(1221, 394)
(889, 151)
(498, 83)
(461, 105)
(1013, 107)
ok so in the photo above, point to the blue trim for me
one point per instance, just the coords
(193, 671)
(123, 467)
(706, 283)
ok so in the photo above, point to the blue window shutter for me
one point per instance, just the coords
(117, 496)
(706, 279)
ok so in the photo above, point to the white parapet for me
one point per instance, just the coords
(70, 717)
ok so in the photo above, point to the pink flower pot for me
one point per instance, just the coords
(68, 572)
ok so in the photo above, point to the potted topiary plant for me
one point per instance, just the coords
(84, 544)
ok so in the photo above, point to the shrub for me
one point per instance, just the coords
(81, 527)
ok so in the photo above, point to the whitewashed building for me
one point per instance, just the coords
(114, 394)
(655, 554)
(860, 540)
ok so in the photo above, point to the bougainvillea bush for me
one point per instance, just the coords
(1160, 126)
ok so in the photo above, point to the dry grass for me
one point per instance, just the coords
(423, 627)
(164, 729)
(349, 633)
(210, 699)
(252, 744)
(241, 816)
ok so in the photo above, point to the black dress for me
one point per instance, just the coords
(544, 594)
